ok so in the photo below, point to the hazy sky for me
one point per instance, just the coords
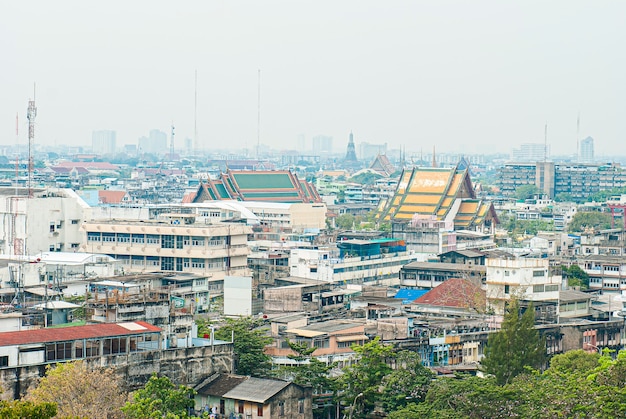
(468, 76)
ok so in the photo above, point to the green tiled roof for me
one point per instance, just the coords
(221, 189)
(263, 181)
(271, 194)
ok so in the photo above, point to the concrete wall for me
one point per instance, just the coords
(186, 366)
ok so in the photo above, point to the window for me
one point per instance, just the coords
(197, 263)
(75, 221)
(197, 241)
(321, 343)
(222, 407)
(138, 238)
(539, 273)
(153, 239)
(240, 406)
(259, 409)
(300, 405)
(167, 242)
(550, 288)
(538, 288)
(281, 408)
(507, 289)
(108, 237)
(58, 351)
(93, 236)
(507, 273)
(4, 361)
(74, 245)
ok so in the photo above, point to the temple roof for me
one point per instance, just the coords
(265, 185)
(445, 193)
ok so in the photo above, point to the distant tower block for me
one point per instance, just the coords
(351, 153)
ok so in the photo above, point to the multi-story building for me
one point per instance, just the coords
(531, 152)
(527, 279)
(103, 142)
(578, 180)
(586, 150)
(356, 261)
(322, 144)
(155, 143)
(49, 221)
(175, 244)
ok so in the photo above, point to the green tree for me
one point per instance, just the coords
(596, 220)
(408, 382)
(564, 197)
(576, 277)
(515, 346)
(362, 380)
(160, 398)
(80, 391)
(526, 192)
(249, 344)
(18, 409)
(345, 221)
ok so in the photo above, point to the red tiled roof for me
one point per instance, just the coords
(188, 198)
(75, 332)
(455, 292)
(111, 197)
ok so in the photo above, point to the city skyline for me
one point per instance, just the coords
(470, 78)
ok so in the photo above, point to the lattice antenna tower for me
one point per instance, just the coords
(172, 143)
(31, 114)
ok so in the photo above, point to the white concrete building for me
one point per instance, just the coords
(49, 221)
(526, 279)
(326, 265)
(174, 245)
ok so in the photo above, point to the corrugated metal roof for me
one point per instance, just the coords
(89, 331)
(257, 390)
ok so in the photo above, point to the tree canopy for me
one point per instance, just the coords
(160, 398)
(249, 345)
(596, 220)
(516, 346)
(79, 391)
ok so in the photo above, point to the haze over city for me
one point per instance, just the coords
(470, 77)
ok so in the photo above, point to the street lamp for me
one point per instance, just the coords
(352, 407)
(594, 347)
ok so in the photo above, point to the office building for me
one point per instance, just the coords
(103, 142)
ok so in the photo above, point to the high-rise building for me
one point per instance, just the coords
(532, 152)
(586, 150)
(322, 144)
(103, 141)
(155, 143)
(368, 151)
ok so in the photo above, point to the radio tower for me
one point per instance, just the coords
(172, 144)
(32, 113)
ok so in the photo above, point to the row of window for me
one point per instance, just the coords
(165, 241)
(165, 263)
(79, 349)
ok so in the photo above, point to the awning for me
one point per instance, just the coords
(351, 338)
(306, 333)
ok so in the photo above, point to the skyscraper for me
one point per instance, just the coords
(586, 150)
(155, 143)
(103, 142)
(322, 144)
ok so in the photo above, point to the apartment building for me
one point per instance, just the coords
(174, 244)
(527, 279)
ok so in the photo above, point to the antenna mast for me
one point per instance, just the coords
(578, 138)
(545, 143)
(195, 115)
(172, 143)
(32, 113)
(258, 122)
